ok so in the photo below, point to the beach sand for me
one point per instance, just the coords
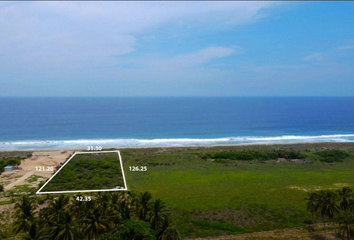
(27, 168)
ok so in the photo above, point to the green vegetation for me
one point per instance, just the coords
(5, 202)
(336, 207)
(33, 178)
(12, 158)
(210, 193)
(328, 156)
(211, 198)
(113, 216)
(334, 155)
(23, 188)
(20, 189)
(136, 230)
(88, 172)
(255, 155)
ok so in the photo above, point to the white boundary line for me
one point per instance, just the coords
(78, 191)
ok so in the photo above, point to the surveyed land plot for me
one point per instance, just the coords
(88, 172)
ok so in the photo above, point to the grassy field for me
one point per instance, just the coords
(211, 195)
(88, 172)
(214, 198)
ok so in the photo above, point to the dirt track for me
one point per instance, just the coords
(18, 181)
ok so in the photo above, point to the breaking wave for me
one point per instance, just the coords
(131, 142)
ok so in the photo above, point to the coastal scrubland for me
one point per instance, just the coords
(88, 172)
(213, 191)
(238, 190)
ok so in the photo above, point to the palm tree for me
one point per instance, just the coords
(166, 232)
(346, 223)
(143, 205)
(24, 214)
(345, 195)
(312, 204)
(157, 214)
(351, 205)
(65, 228)
(114, 198)
(57, 206)
(163, 226)
(59, 203)
(95, 223)
(124, 210)
(77, 207)
(126, 197)
(328, 206)
(171, 234)
(104, 201)
(34, 233)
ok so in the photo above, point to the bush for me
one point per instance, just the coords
(255, 155)
(1, 188)
(15, 161)
(331, 156)
(290, 154)
(138, 230)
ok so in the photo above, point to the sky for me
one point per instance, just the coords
(177, 48)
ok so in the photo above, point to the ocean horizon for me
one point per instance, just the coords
(78, 122)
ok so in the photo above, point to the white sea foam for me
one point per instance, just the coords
(131, 142)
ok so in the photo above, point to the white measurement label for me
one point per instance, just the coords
(94, 148)
(137, 168)
(44, 169)
(83, 198)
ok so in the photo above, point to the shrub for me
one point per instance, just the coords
(333, 155)
(255, 155)
(136, 230)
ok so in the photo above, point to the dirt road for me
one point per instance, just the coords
(20, 180)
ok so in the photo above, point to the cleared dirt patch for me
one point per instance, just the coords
(28, 166)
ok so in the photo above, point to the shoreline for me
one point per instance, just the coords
(115, 143)
(350, 143)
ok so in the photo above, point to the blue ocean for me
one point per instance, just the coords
(78, 122)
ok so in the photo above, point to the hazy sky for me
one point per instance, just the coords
(176, 48)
